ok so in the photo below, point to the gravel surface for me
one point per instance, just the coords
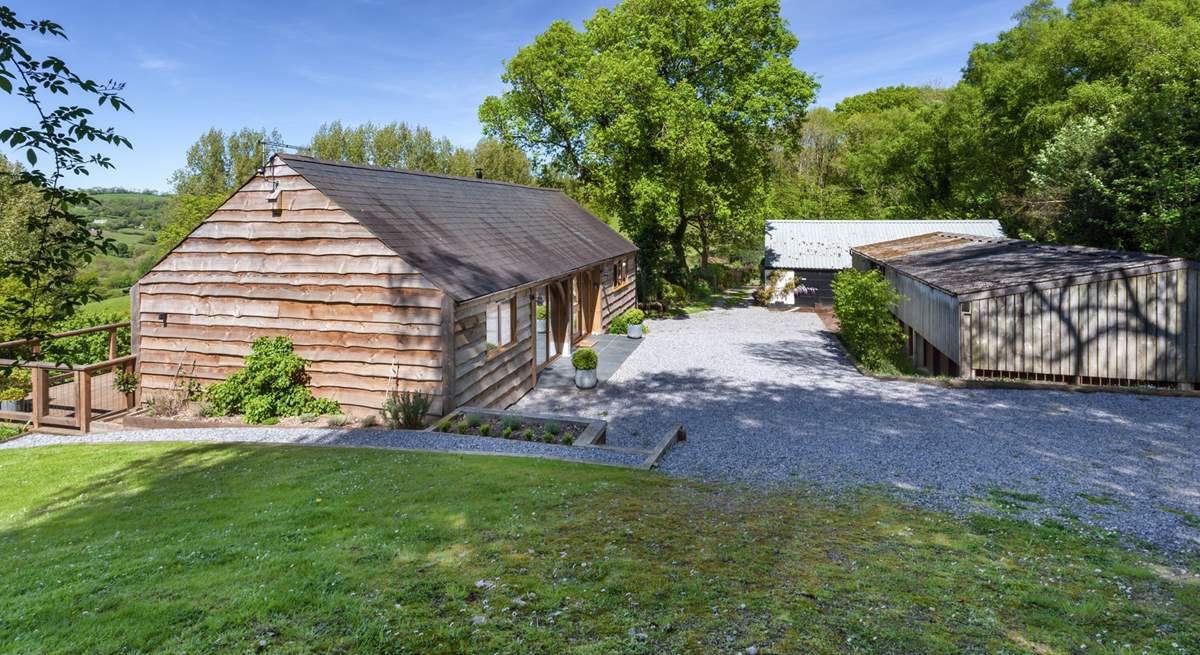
(769, 398)
(401, 439)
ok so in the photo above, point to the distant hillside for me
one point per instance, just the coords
(128, 209)
(132, 219)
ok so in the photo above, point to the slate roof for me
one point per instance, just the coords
(961, 264)
(826, 244)
(469, 237)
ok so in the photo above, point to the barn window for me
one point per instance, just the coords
(501, 323)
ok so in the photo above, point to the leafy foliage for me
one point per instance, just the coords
(87, 348)
(662, 113)
(584, 359)
(863, 303)
(56, 240)
(271, 384)
(620, 323)
(1079, 124)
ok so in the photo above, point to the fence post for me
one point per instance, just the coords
(83, 401)
(41, 395)
(112, 343)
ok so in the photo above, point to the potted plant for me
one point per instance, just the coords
(541, 319)
(585, 360)
(633, 323)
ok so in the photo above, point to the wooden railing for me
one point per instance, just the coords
(70, 396)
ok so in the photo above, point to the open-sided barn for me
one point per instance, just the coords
(375, 273)
(807, 253)
(986, 307)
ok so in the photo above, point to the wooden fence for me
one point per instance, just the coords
(66, 396)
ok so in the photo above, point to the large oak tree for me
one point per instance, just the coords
(663, 113)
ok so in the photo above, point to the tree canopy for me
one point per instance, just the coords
(663, 113)
(1078, 125)
(38, 279)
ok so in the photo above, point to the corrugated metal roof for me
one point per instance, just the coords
(827, 244)
(960, 263)
(469, 237)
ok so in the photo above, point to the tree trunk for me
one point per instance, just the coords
(678, 273)
(703, 225)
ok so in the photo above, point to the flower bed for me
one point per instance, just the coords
(542, 429)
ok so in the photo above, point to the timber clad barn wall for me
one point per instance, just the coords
(999, 308)
(312, 273)
(329, 263)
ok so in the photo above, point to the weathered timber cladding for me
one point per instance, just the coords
(616, 298)
(492, 378)
(932, 313)
(1136, 329)
(309, 272)
(1123, 327)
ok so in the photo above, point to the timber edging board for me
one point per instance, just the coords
(673, 436)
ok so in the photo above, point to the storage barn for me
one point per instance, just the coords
(808, 253)
(1002, 308)
(375, 273)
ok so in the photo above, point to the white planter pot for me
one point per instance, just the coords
(585, 379)
(634, 331)
(541, 324)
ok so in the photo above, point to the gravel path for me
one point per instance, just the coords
(400, 439)
(768, 398)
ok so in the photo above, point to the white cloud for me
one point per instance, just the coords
(159, 64)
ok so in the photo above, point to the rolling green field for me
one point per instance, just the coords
(115, 304)
(201, 548)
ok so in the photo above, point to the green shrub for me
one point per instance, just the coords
(634, 316)
(463, 427)
(87, 348)
(369, 421)
(406, 409)
(547, 437)
(701, 289)
(585, 359)
(568, 440)
(337, 420)
(541, 312)
(863, 303)
(443, 425)
(674, 295)
(527, 434)
(13, 393)
(125, 381)
(474, 420)
(552, 427)
(485, 429)
(618, 325)
(507, 433)
(511, 422)
(271, 384)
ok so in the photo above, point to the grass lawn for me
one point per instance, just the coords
(115, 304)
(187, 548)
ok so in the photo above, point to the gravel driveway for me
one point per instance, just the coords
(767, 398)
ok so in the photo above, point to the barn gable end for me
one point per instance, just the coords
(299, 267)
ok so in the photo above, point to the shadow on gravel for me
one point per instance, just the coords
(817, 419)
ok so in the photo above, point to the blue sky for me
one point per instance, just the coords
(295, 65)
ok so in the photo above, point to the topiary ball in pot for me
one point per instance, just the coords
(633, 322)
(585, 361)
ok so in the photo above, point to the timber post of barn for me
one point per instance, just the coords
(70, 397)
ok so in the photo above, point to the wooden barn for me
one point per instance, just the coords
(1002, 308)
(806, 254)
(374, 271)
